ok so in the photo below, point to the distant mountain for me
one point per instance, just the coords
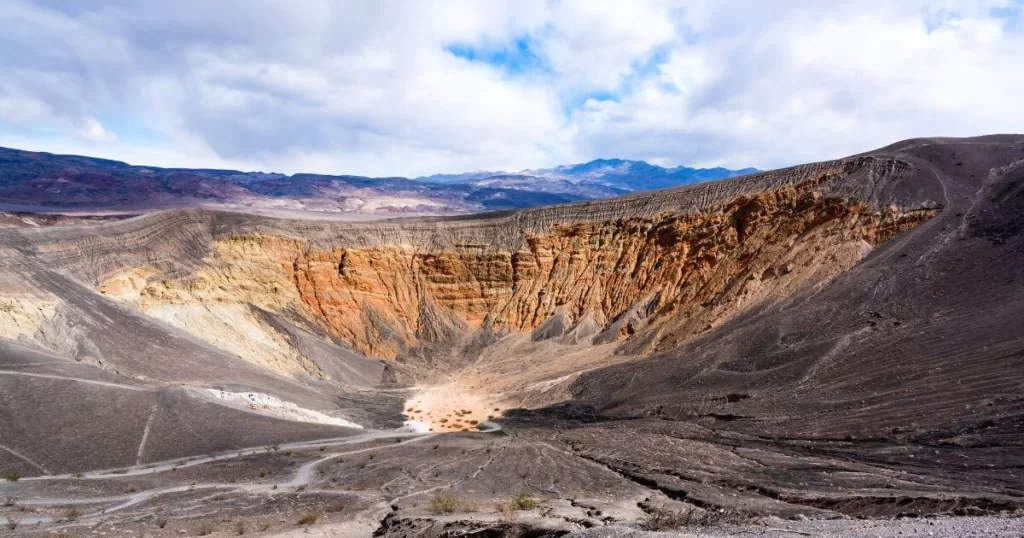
(67, 182)
(637, 175)
(598, 178)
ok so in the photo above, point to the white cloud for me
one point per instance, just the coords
(816, 82)
(91, 130)
(594, 45)
(370, 87)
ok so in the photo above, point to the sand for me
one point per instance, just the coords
(452, 407)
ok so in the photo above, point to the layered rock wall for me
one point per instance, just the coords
(668, 276)
(653, 269)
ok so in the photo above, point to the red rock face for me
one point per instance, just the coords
(655, 281)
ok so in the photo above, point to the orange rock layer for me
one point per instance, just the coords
(665, 278)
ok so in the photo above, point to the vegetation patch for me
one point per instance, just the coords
(660, 518)
(523, 501)
(449, 502)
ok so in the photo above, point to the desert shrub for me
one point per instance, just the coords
(161, 523)
(301, 487)
(449, 502)
(308, 519)
(660, 518)
(10, 501)
(336, 506)
(523, 501)
(11, 523)
(12, 476)
(240, 528)
(72, 514)
(443, 503)
(205, 529)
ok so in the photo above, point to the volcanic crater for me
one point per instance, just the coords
(829, 341)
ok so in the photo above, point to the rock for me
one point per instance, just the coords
(385, 290)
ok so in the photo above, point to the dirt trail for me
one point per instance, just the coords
(302, 475)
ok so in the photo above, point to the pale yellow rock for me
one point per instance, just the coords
(127, 285)
(21, 316)
(234, 329)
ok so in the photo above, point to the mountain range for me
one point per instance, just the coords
(616, 174)
(35, 180)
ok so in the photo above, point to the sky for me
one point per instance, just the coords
(411, 88)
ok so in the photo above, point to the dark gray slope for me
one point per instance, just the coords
(60, 416)
(896, 388)
(925, 333)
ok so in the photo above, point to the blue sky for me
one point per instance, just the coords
(412, 88)
(515, 58)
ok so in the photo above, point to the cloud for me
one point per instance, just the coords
(409, 88)
(91, 130)
(813, 82)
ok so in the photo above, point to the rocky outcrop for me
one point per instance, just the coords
(22, 315)
(652, 280)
